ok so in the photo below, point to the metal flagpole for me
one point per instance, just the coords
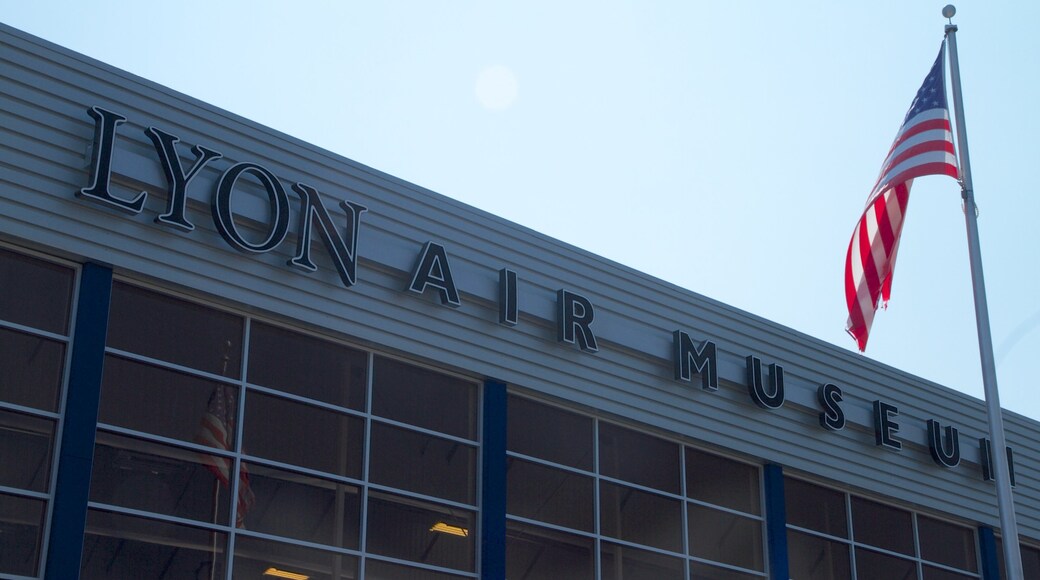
(999, 461)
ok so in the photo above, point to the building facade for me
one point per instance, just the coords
(225, 353)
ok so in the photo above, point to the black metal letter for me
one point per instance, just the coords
(948, 455)
(884, 427)
(432, 269)
(686, 358)
(177, 181)
(105, 123)
(832, 418)
(225, 219)
(574, 314)
(756, 388)
(342, 252)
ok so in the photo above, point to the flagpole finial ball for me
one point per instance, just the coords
(949, 10)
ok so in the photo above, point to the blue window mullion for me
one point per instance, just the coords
(988, 552)
(776, 522)
(493, 483)
(75, 458)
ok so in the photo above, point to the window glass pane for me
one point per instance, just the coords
(25, 451)
(304, 435)
(701, 571)
(724, 537)
(254, 557)
(549, 433)
(408, 529)
(302, 507)
(379, 570)
(158, 478)
(638, 457)
(634, 564)
(946, 543)
(119, 546)
(815, 558)
(422, 463)
(425, 398)
(155, 400)
(550, 495)
(21, 521)
(721, 481)
(870, 564)
(816, 508)
(1030, 561)
(637, 516)
(882, 526)
(34, 292)
(174, 330)
(931, 573)
(534, 553)
(307, 366)
(30, 370)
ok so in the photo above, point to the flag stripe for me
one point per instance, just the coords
(923, 146)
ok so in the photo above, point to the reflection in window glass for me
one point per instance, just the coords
(303, 507)
(720, 481)
(882, 526)
(422, 463)
(931, 573)
(172, 330)
(549, 433)
(30, 370)
(157, 478)
(638, 516)
(35, 293)
(871, 564)
(548, 494)
(724, 537)
(424, 398)
(255, 556)
(815, 558)
(638, 458)
(701, 571)
(25, 451)
(634, 564)
(379, 570)
(1030, 560)
(815, 508)
(155, 400)
(21, 523)
(307, 366)
(420, 531)
(535, 553)
(119, 546)
(304, 435)
(946, 543)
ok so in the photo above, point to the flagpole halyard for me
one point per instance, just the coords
(999, 460)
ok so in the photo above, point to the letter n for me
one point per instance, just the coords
(342, 250)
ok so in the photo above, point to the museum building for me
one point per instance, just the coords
(226, 353)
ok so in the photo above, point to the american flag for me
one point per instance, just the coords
(923, 146)
(216, 429)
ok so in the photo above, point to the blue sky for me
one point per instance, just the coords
(726, 147)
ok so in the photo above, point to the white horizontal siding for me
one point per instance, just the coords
(44, 135)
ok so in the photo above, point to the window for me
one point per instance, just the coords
(228, 446)
(833, 535)
(588, 498)
(35, 315)
(1030, 560)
